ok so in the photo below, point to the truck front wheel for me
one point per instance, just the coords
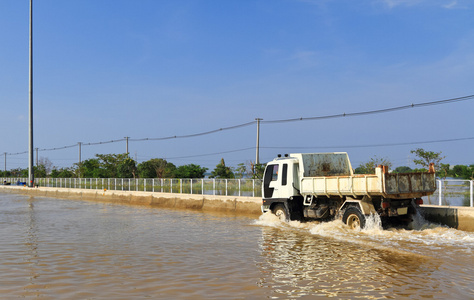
(354, 218)
(280, 211)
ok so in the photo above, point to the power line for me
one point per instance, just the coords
(195, 134)
(306, 147)
(329, 147)
(375, 145)
(210, 154)
(385, 110)
(378, 111)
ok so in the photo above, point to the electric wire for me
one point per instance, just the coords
(385, 110)
(377, 111)
(375, 145)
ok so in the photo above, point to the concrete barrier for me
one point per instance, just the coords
(458, 217)
(233, 204)
(461, 218)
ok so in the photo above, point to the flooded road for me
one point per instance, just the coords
(67, 249)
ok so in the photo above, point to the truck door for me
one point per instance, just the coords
(269, 180)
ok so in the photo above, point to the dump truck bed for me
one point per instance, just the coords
(382, 183)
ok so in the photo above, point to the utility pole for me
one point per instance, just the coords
(257, 158)
(126, 147)
(80, 160)
(31, 176)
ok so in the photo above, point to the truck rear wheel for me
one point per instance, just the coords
(280, 212)
(354, 218)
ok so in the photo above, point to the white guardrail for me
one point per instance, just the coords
(451, 192)
(200, 186)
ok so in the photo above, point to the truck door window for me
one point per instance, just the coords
(284, 174)
(271, 174)
(275, 173)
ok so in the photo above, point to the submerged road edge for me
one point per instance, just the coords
(461, 218)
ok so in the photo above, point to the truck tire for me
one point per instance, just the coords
(280, 211)
(354, 218)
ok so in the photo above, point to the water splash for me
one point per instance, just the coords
(413, 241)
(373, 224)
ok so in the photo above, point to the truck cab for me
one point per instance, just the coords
(280, 180)
(281, 188)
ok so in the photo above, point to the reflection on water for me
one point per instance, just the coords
(68, 249)
(329, 259)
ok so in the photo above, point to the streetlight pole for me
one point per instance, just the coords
(31, 176)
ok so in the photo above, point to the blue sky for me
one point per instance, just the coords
(108, 69)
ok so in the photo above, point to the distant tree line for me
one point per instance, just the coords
(423, 159)
(122, 166)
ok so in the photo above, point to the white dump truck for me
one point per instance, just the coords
(323, 186)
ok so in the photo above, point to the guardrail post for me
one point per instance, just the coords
(253, 187)
(440, 187)
(239, 187)
(472, 193)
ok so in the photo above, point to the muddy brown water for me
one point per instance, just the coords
(68, 249)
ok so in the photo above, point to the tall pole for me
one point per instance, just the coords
(36, 157)
(80, 160)
(31, 176)
(5, 164)
(126, 147)
(257, 158)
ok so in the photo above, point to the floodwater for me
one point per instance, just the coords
(67, 249)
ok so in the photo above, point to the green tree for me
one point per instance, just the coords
(40, 171)
(240, 171)
(104, 166)
(88, 168)
(127, 168)
(462, 171)
(443, 171)
(190, 171)
(402, 169)
(369, 167)
(257, 170)
(222, 171)
(424, 158)
(156, 168)
(109, 163)
(62, 173)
